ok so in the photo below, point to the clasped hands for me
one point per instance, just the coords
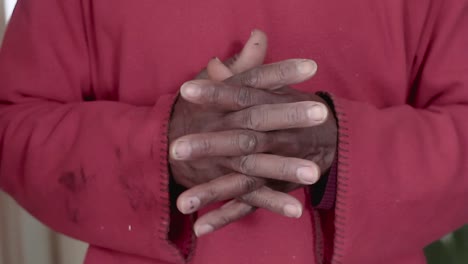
(240, 134)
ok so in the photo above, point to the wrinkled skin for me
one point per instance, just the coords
(243, 134)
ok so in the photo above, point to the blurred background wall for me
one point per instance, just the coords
(23, 240)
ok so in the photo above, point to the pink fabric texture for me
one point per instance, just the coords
(87, 87)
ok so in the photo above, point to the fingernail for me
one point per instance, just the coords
(190, 205)
(307, 175)
(181, 150)
(317, 113)
(307, 67)
(190, 90)
(292, 211)
(203, 230)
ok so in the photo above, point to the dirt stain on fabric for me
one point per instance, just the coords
(75, 182)
(139, 194)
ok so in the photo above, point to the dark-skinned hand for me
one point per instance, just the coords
(249, 138)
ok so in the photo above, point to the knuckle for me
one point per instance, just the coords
(213, 94)
(247, 164)
(203, 146)
(212, 195)
(244, 97)
(247, 119)
(247, 142)
(283, 170)
(247, 198)
(248, 184)
(295, 115)
(223, 220)
(251, 78)
(284, 71)
(264, 202)
(255, 118)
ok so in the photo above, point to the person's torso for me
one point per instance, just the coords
(142, 49)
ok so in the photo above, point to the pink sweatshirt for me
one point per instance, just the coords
(86, 89)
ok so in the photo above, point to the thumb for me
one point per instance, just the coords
(252, 55)
(218, 71)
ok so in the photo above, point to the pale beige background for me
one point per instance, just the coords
(23, 240)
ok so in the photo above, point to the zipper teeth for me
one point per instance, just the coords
(342, 182)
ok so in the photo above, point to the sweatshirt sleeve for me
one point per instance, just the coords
(94, 170)
(403, 170)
